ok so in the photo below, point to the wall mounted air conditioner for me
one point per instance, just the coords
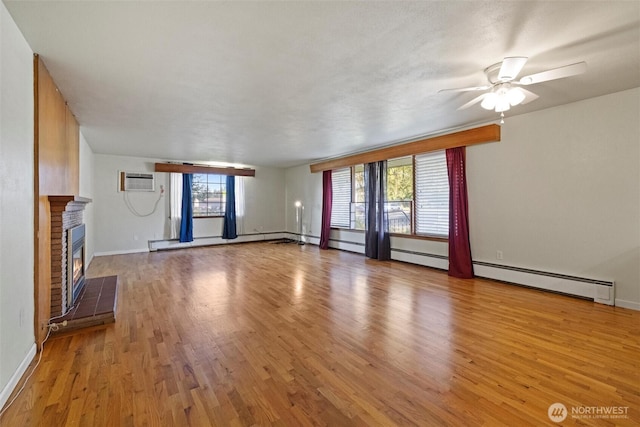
(137, 181)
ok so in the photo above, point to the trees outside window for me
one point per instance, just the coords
(208, 195)
(400, 194)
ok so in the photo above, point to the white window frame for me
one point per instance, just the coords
(431, 194)
(341, 198)
(213, 179)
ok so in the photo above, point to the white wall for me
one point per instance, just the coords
(560, 193)
(307, 188)
(118, 230)
(17, 340)
(87, 166)
(264, 202)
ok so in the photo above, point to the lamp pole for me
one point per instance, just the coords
(299, 209)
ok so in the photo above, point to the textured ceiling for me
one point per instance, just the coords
(284, 83)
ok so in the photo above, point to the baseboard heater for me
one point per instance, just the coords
(600, 291)
(159, 245)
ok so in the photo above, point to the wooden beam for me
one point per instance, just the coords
(183, 168)
(489, 133)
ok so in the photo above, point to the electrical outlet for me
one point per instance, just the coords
(499, 255)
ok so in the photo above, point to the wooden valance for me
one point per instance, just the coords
(186, 168)
(480, 135)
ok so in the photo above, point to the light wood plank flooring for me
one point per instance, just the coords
(287, 335)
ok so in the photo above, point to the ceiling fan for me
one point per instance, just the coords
(504, 91)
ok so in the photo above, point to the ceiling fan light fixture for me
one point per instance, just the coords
(515, 96)
(502, 105)
(501, 77)
(489, 101)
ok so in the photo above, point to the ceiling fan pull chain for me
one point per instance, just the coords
(502, 118)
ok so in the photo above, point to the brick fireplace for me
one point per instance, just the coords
(67, 251)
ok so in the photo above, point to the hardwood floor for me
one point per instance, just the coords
(288, 335)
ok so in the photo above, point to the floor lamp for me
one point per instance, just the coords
(299, 210)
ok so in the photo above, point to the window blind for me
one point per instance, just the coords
(340, 206)
(432, 194)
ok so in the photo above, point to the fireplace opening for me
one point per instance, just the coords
(75, 263)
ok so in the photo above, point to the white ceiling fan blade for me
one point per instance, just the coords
(465, 89)
(473, 101)
(528, 96)
(556, 73)
(511, 67)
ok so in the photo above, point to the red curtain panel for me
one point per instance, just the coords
(327, 200)
(460, 264)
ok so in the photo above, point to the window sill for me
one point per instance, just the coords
(212, 216)
(420, 237)
(404, 236)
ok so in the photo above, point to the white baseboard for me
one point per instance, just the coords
(632, 305)
(122, 252)
(347, 246)
(342, 245)
(424, 259)
(155, 245)
(312, 240)
(15, 378)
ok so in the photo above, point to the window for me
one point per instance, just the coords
(400, 194)
(424, 190)
(341, 204)
(358, 206)
(432, 194)
(209, 195)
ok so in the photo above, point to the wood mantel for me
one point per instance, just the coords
(58, 200)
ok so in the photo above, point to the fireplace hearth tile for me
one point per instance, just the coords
(96, 305)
